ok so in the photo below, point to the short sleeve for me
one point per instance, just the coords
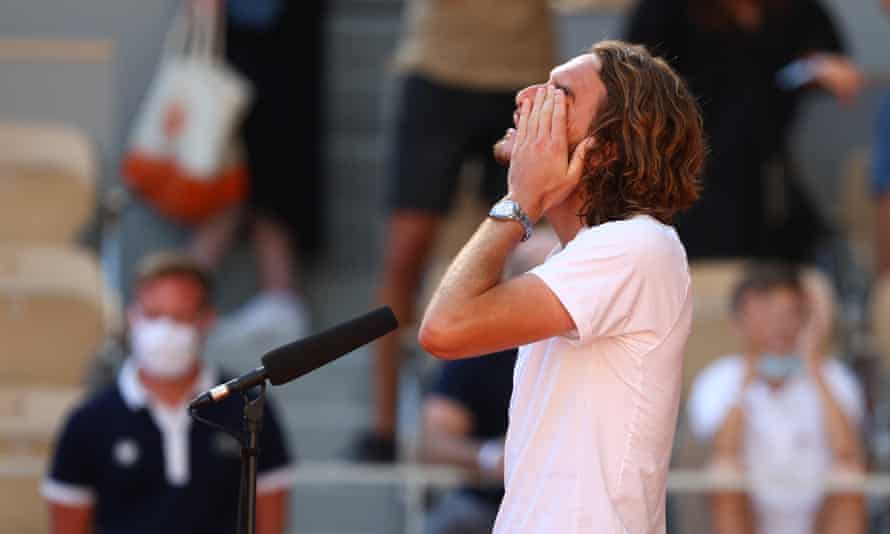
(600, 278)
(714, 392)
(73, 473)
(845, 388)
(881, 152)
(275, 469)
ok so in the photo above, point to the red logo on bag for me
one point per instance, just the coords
(174, 119)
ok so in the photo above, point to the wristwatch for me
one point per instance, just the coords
(509, 210)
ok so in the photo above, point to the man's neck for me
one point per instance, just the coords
(170, 392)
(564, 218)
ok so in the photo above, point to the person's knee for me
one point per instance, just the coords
(409, 242)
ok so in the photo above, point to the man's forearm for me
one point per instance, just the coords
(842, 435)
(476, 269)
(728, 440)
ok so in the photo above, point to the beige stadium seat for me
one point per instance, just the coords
(22, 509)
(54, 313)
(31, 417)
(47, 181)
(712, 332)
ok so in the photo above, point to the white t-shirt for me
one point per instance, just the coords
(593, 413)
(784, 439)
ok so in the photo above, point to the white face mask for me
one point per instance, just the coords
(164, 347)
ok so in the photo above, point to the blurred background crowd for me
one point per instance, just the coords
(350, 158)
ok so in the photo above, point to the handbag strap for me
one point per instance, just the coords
(179, 36)
(197, 31)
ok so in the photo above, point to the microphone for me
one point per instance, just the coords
(296, 359)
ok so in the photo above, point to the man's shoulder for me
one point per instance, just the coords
(99, 406)
(836, 370)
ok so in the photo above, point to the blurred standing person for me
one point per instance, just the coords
(881, 181)
(749, 62)
(464, 424)
(276, 45)
(460, 64)
(781, 411)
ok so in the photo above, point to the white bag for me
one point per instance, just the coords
(195, 101)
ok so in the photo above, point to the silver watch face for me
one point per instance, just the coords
(504, 208)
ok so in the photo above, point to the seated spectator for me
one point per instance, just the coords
(131, 460)
(781, 410)
(464, 423)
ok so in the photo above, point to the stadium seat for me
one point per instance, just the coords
(22, 509)
(712, 333)
(54, 313)
(30, 417)
(47, 181)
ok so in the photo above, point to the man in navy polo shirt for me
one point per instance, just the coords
(130, 459)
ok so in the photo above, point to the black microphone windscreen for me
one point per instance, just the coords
(306, 355)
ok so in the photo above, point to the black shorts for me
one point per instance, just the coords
(435, 129)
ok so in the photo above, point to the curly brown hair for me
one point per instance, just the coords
(650, 146)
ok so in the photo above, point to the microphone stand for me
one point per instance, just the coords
(250, 451)
(249, 440)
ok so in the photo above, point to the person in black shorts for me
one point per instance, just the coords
(464, 423)
(460, 65)
(437, 128)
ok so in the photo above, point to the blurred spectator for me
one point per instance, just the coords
(749, 62)
(781, 411)
(460, 64)
(881, 181)
(265, 39)
(464, 424)
(130, 459)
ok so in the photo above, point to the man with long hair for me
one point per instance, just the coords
(608, 150)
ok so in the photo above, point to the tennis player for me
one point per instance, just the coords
(608, 150)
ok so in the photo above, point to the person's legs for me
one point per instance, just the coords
(731, 513)
(429, 139)
(843, 513)
(459, 513)
(275, 258)
(213, 239)
(411, 236)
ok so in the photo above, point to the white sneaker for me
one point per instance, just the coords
(268, 320)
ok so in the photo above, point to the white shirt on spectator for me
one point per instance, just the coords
(593, 413)
(784, 438)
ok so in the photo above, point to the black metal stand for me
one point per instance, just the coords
(253, 425)
(249, 439)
